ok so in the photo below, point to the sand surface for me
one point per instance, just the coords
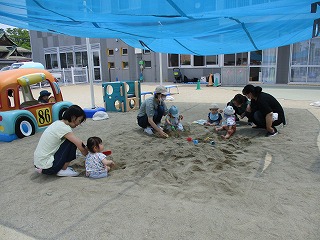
(248, 187)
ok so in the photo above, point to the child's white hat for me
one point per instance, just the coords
(214, 106)
(228, 110)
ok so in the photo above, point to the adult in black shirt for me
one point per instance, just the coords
(268, 111)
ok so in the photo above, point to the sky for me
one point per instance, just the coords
(5, 26)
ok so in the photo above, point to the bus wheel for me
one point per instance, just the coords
(24, 127)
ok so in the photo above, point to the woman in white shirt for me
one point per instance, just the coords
(58, 144)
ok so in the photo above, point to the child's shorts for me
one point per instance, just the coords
(97, 174)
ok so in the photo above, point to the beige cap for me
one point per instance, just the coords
(214, 106)
(161, 89)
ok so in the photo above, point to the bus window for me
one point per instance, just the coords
(11, 98)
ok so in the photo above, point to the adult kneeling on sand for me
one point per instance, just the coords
(58, 144)
(269, 112)
(151, 112)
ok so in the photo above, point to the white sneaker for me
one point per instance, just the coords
(148, 130)
(69, 172)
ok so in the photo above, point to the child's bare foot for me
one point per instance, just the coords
(226, 136)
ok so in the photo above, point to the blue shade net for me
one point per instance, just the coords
(200, 27)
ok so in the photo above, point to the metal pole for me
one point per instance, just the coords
(160, 63)
(90, 70)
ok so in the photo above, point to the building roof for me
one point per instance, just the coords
(5, 40)
(10, 50)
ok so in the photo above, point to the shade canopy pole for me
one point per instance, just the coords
(160, 64)
(90, 70)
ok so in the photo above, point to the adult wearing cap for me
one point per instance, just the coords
(44, 96)
(151, 112)
(269, 112)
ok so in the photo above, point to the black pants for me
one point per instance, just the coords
(260, 120)
(66, 153)
(143, 120)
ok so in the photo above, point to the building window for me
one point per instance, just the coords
(173, 60)
(185, 60)
(124, 51)
(147, 64)
(111, 65)
(48, 61)
(66, 60)
(110, 52)
(63, 60)
(145, 51)
(269, 57)
(198, 61)
(176, 60)
(125, 65)
(239, 59)
(97, 76)
(96, 59)
(70, 59)
(212, 60)
(242, 59)
(262, 65)
(229, 60)
(51, 61)
(81, 59)
(305, 61)
(256, 58)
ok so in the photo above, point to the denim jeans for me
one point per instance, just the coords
(158, 114)
(260, 120)
(66, 153)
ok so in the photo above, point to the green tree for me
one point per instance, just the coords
(19, 36)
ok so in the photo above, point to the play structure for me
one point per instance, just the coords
(122, 96)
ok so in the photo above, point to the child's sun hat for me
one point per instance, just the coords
(228, 110)
(174, 111)
(214, 106)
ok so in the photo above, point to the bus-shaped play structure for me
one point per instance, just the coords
(21, 114)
